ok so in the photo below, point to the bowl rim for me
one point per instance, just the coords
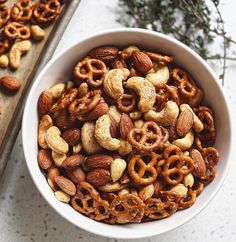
(27, 110)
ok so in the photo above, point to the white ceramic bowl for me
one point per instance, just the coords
(59, 69)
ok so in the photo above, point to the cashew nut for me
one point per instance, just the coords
(166, 116)
(160, 76)
(130, 49)
(125, 148)
(136, 114)
(55, 142)
(89, 142)
(4, 61)
(103, 135)
(117, 168)
(16, 51)
(197, 123)
(112, 187)
(189, 180)
(124, 191)
(145, 90)
(112, 83)
(58, 158)
(44, 124)
(62, 196)
(115, 114)
(138, 123)
(77, 148)
(180, 190)
(185, 142)
(37, 33)
(83, 89)
(57, 90)
(146, 192)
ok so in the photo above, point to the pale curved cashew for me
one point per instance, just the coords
(125, 148)
(69, 84)
(159, 77)
(189, 180)
(58, 158)
(146, 192)
(44, 124)
(197, 123)
(57, 90)
(103, 135)
(89, 142)
(117, 168)
(129, 50)
(113, 82)
(145, 90)
(136, 114)
(185, 142)
(138, 123)
(77, 148)
(115, 113)
(166, 116)
(112, 187)
(16, 51)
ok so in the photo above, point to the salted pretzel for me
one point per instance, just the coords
(64, 101)
(4, 14)
(90, 70)
(156, 209)
(3, 1)
(45, 12)
(86, 198)
(14, 30)
(142, 169)
(102, 210)
(173, 171)
(21, 11)
(127, 103)
(197, 187)
(4, 44)
(189, 200)
(146, 138)
(128, 207)
(159, 58)
(211, 156)
(165, 137)
(171, 150)
(85, 104)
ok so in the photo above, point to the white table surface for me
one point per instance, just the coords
(24, 214)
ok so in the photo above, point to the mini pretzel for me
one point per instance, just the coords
(46, 11)
(198, 144)
(64, 101)
(165, 137)
(16, 30)
(4, 14)
(197, 187)
(189, 200)
(128, 207)
(156, 209)
(91, 71)
(86, 198)
(173, 171)
(21, 10)
(142, 168)
(102, 210)
(126, 103)
(85, 104)
(147, 138)
(4, 45)
(211, 156)
(159, 58)
(171, 150)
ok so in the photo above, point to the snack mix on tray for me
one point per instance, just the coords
(129, 140)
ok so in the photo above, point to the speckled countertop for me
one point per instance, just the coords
(24, 214)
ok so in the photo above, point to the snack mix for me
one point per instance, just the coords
(129, 140)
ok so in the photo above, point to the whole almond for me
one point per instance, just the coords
(126, 124)
(105, 53)
(73, 161)
(72, 136)
(113, 127)
(52, 173)
(66, 185)
(141, 61)
(199, 164)
(66, 121)
(184, 122)
(45, 159)
(10, 83)
(101, 109)
(77, 175)
(98, 177)
(97, 161)
(44, 103)
(118, 64)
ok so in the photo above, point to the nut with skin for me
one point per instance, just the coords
(186, 142)
(4, 61)
(58, 158)
(71, 136)
(166, 116)
(44, 103)
(199, 163)
(62, 196)
(97, 161)
(45, 160)
(125, 148)
(141, 61)
(98, 177)
(146, 192)
(10, 83)
(44, 124)
(159, 77)
(57, 90)
(115, 114)
(112, 83)
(37, 33)
(180, 190)
(103, 134)
(197, 123)
(55, 142)
(16, 51)
(77, 175)
(145, 90)
(118, 166)
(66, 185)
(73, 161)
(112, 187)
(106, 54)
(52, 173)
(89, 142)
(126, 125)
(184, 122)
